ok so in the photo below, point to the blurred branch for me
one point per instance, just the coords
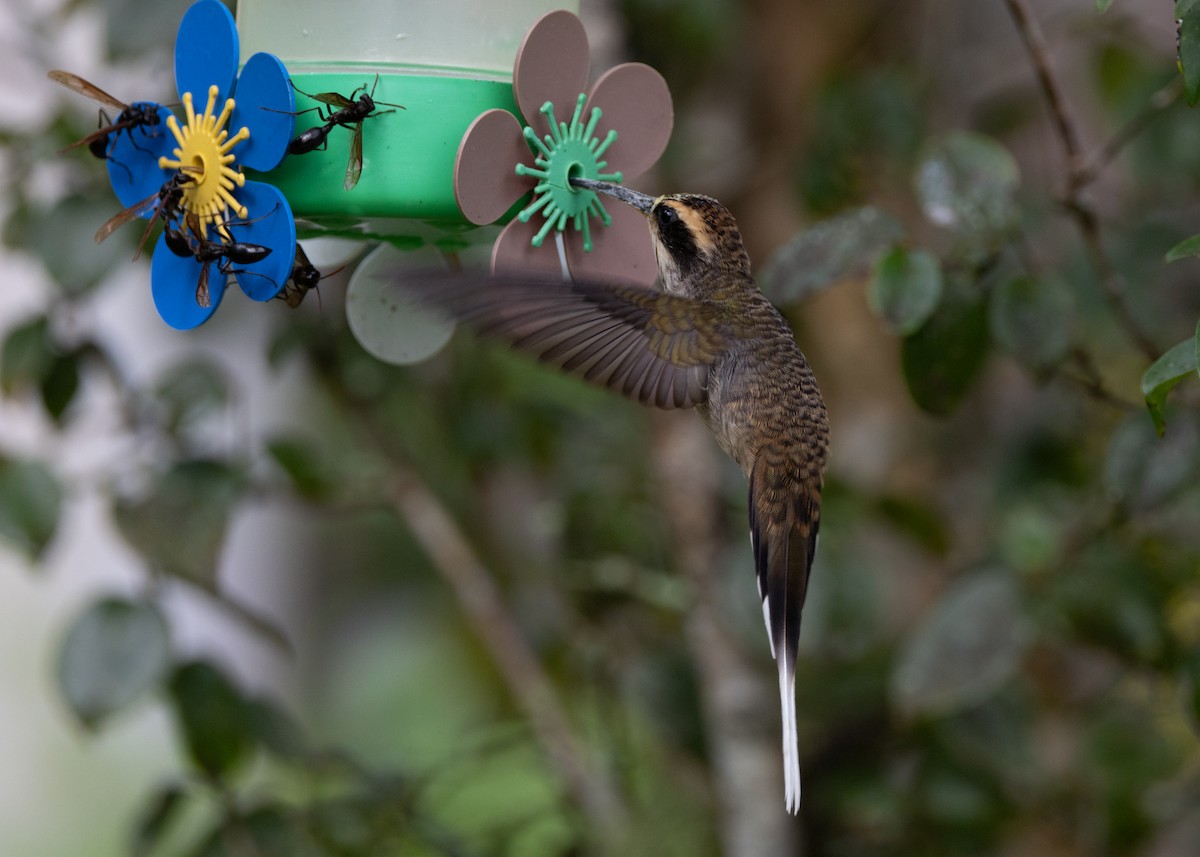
(743, 739)
(474, 586)
(262, 626)
(483, 603)
(1093, 384)
(1079, 173)
(1094, 164)
(1039, 52)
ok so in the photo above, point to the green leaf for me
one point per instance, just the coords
(1167, 371)
(211, 713)
(1185, 248)
(905, 288)
(302, 463)
(31, 360)
(969, 647)
(1031, 317)
(180, 526)
(1190, 675)
(965, 182)
(919, 520)
(275, 730)
(190, 391)
(828, 252)
(60, 385)
(1102, 5)
(62, 237)
(161, 811)
(27, 356)
(942, 360)
(1030, 537)
(1196, 349)
(1188, 14)
(276, 831)
(114, 652)
(1143, 470)
(346, 824)
(30, 503)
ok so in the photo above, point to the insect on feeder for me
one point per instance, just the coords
(412, 125)
(444, 61)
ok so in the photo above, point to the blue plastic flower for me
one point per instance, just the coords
(251, 128)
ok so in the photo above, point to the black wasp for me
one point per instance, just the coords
(303, 279)
(187, 242)
(165, 203)
(130, 117)
(350, 114)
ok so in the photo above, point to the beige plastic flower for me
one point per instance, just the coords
(615, 132)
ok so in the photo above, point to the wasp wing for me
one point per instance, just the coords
(75, 83)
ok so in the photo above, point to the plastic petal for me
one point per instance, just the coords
(635, 101)
(390, 323)
(133, 167)
(270, 224)
(622, 252)
(206, 50)
(551, 65)
(173, 284)
(513, 254)
(266, 104)
(486, 183)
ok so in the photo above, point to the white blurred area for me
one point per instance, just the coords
(62, 791)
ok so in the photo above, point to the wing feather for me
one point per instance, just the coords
(649, 346)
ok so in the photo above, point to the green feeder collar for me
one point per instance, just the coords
(570, 150)
(408, 155)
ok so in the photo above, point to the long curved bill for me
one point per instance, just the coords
(641, 201)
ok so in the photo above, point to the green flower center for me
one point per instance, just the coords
(570, 150)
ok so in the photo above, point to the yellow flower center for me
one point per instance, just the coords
(203, 154)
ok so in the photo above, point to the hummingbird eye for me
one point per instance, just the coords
(666, 215)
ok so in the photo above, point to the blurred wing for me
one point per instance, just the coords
(98, 134)
(203, 297)
(651, 347)
(140, 209)
(75, 83)
(354, 165)
(333, 99)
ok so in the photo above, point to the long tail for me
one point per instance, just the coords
(791, 751)
(784, 520)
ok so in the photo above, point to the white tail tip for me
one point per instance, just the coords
(791, 739)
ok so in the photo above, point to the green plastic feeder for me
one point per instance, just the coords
(445, 61)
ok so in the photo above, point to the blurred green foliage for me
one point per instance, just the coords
(1002, 648)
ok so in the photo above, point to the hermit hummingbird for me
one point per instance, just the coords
(710, 340)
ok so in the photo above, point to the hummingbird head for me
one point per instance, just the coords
(695, 237)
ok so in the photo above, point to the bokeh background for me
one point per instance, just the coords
(262, 594)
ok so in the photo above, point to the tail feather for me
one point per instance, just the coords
(784, 520)
(791, 740)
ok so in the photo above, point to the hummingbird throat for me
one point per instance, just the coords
(570, 151)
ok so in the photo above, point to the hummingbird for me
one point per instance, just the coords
(709, 340)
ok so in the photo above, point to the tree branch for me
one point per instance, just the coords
(482, 602)
(1079, 173)
(1039, 53)
(480, 599)
(1095, 163)
(1089, 379)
